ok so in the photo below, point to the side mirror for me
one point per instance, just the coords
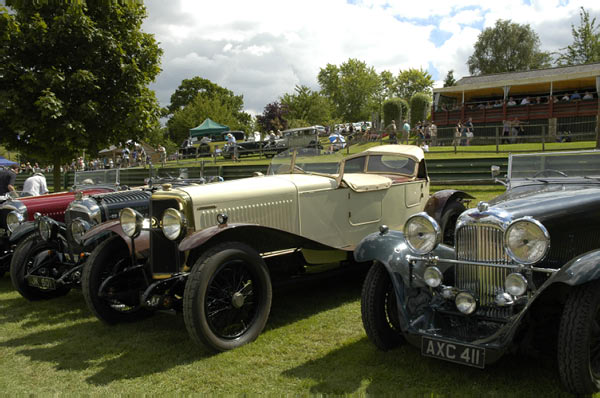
(495, 171)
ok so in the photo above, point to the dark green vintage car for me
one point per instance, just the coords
(524, 274)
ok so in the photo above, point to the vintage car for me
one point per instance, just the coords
(48, 263)
(523, 274)
(213, 250)
(17, 214)
(304, 137)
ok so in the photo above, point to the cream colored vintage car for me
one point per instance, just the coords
(212, 251)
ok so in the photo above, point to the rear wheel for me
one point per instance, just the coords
(449, 218)
(379, 309)
(120, 301)
(579, 340)
(227, 297)
(36, 256)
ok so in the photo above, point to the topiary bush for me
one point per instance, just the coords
(392, 110)
(419, 107)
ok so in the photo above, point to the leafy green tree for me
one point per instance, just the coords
(273, 117)
(351, 88)
(412, 81)
(507, 47)
(392, 110)
(586, 42)
(74, 76)
(307, 106)
(190, 88)
(450, 80)
(201, 108)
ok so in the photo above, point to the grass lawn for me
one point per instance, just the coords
(314, 343)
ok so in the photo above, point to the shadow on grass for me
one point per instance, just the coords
(63, 332)
(360, 367)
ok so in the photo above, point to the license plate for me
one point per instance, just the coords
(460, 353)
(41, 282)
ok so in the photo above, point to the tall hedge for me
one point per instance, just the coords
(392, 110)
(405, 109)
(419, 107)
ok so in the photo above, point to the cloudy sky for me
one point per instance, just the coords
(263, 48)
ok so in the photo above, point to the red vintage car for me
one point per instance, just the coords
(17, 214)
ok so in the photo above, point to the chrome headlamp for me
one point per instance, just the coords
(131, 222)
(422, 233)
(78, 228)
(526, 240)
(44, 228)
(13, 220)
(173, 224)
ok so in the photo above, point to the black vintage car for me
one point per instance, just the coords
(48, 263)
(524, 274)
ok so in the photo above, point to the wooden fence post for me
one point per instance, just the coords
(497, 141)
(543, 138)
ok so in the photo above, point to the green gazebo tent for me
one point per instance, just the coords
(207, 128)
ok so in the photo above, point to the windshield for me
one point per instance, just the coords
(555, 165)
(305, 160)
(96, 177)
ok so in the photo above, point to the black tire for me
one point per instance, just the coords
(579, 340)
(448, 222)
(108, 257)
(22, 261)
(227, 297)
(379, 309)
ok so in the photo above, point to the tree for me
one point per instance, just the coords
(419, 107)
(192, 101)
(586, 42)
(197, 111)
(351, 88)
(74, 76)
(273, 117)
(307, 106)
(507, 47)
(412, 81)
(449, 80)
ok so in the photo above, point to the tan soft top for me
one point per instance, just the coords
(409, 150)
(360, 182)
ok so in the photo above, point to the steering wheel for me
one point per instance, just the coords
(546, 171)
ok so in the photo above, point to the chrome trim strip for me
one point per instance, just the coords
(436, 259)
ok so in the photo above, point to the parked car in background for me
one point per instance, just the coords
(212, 251)
(305, 137)
(17, 214)
(48, 263)
(524, 273)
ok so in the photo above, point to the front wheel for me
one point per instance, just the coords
(379, 309)
(449, 218)
(120, 301)
(227, 297)
(579, 340)
(36, 256)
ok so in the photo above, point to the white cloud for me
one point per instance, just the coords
(263, 48)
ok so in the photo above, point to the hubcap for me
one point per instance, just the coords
(237, 300)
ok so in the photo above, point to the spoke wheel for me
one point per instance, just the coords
(33, 252)
(579, 340)
(227, 297)
(123, 303)
(379, 309)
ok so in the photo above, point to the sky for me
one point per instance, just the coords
(262, 49)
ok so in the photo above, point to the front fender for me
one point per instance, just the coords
(113, 227)
(22, 231)
(391, 250)
(583, 269)
(437, 202)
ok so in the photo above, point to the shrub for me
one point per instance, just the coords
(419, 106)
(392, 110)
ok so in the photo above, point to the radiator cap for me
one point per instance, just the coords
(167, 187)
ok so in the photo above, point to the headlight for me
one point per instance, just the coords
(173, 223)
(432, 276)
(527, 240)
(515, 284)
(78, 228)
(131, 222)
(13, 220)
(422, 233)
(44, 229)
(465, 303)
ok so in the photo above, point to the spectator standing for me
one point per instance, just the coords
(391, 130)
(575, 96)
(7, 179)
(405, 132)
(163, 155)
(511, 102)
(505, 131)
(588, 96)
(516, 129)
(566, 98)
(433, 132)
(231, 142)
(525, 101)
(125, 153)
(469, 131)
(457, 133)
(35, 185)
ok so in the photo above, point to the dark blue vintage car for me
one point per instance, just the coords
(524, 274)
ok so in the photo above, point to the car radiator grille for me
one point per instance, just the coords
(164, 255)
(481, 243)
